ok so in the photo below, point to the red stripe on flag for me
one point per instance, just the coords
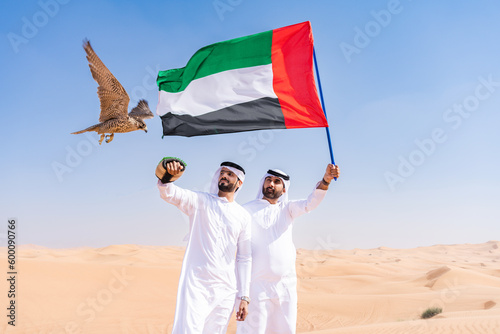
(293, 78)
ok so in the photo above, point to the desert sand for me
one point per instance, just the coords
(132, 289)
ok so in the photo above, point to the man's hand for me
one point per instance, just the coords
(170, 169)
(174, 167)
(332, 171)
(243, 311)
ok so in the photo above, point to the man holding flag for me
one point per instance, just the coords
(256, 82)
(273, 288)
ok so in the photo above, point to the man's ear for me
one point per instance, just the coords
(239, 183)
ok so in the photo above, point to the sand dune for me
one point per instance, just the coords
(132, 289)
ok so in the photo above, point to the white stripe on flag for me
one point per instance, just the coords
(219, 91)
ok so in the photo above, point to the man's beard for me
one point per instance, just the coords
(227, 188)
(271, 193)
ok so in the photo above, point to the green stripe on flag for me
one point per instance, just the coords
(236, 53)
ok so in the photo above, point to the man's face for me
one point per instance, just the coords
(228, 181)
(273, 187)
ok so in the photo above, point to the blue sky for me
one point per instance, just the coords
(412, 93)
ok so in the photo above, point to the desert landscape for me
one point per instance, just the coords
(132, 289)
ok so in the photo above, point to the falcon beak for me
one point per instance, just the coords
(145, 130)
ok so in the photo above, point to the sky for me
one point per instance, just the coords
(412, 96)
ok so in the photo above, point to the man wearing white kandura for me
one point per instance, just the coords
(218, 252)
(273, 288)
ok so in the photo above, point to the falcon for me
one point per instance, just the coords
(114, 102)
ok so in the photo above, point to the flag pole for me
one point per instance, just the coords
(323, 105)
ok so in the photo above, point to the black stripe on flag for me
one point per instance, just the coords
(260, 114)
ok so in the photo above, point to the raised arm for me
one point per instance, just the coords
(332, 171)
(185, 200)
(298, 208)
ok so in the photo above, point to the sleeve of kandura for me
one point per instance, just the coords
(185, 200)
(244, 259)
(298, 208)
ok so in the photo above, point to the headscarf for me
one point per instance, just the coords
(285, 178)
(235, 168)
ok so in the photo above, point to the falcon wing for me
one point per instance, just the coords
(141, 111)
(114, 99)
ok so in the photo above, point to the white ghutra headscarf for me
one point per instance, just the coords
(286, 181)
(235, 168)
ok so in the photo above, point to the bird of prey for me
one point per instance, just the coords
(114, 102)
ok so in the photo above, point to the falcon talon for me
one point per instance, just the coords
(109, 137)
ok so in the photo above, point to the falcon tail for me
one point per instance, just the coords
(90, 128)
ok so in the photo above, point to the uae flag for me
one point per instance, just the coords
(256, 82)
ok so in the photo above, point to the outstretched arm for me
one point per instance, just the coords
(332, 171)
(185, 200)
(298, 208)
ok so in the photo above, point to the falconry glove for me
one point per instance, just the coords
(161, 170)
